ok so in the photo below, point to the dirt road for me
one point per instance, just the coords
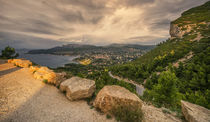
(24, 99)
(139, 88)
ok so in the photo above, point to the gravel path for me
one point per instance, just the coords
(139, 88)
(24, 99)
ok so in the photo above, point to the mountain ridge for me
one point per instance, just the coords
(189, 36)
(72, 47)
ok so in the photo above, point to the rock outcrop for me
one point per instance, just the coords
(20, 62)
(60, 77)
(178, 32)
(78, 88)
(43, 73)
(195, 113)
(153, 114)
(33, 69)
(110, 96)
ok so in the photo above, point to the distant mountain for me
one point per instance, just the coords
(77, 49)
(135, 46)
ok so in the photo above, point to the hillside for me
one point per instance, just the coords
(78, 49)
(180, 63)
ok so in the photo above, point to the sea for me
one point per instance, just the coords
(49, 60)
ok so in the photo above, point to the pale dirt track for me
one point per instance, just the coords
(24, 99)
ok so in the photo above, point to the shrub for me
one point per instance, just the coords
(127, 113)
(9, 53)
(45, 81)
(108, 116)
(166, 111)
(165, 91)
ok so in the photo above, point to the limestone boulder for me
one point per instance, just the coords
(10, 60)
(20, 62)
(195, 113)
(78, 88)
(43, 73)
(33, 69)
(44, 70)
(38, 75)
(112, 96)
(25, 63)
(153, 114)
(60, 77)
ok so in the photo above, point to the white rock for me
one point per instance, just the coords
(78, 88)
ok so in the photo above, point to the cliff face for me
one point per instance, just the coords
(180, 31)
(195, 21)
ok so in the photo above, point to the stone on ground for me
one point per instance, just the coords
(38, 75)
(20, 62)
(112, 96)
(60, 77)
(195, 113)
(78, 88)
(43, 73)
(153, 114)
(33, 69)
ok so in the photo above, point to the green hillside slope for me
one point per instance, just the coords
(178, 68)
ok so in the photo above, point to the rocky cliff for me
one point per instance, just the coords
(178, 31)
(193, 21)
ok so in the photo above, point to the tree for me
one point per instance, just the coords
(9, 52)
(165, 92)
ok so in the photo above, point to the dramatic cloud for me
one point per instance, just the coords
(45, 23)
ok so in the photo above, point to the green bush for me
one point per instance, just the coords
(102, 78)
(165, 91)
(108, 116)
(45, 81)
(8, 53)
(195, 15)
(127, 113)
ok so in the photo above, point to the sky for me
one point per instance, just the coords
(37, 24)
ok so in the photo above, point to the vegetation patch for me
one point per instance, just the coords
(190, 37)
(108, 116)
(8, 53)
(127, 113)
(45, 81)
(195, 15)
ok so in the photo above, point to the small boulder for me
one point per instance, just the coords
(153, 114)
(20, 62)
(112, 96)
(50, 77)
(9, 61)
(38, 75)
(78, 88)
(43, 73)
(33, 69)
(25, 63)
(44, 70)
(195, 113)
(60, 77)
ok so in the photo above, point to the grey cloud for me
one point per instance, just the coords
(159, 16)
(24, 41)
(147, 40)
(136, 2)
(44, 27)
(100, 21)
(87, 4)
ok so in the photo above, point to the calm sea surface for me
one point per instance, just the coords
(52, 61)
